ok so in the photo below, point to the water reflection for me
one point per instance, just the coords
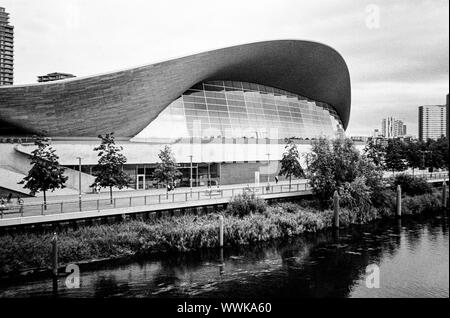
(413, 256)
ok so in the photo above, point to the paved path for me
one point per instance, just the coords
(151, 199)
(142, 198)
(143, 204)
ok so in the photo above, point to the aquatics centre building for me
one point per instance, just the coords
(225, 112)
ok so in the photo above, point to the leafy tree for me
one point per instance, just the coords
(438, 156)
(46, 173)
(395, 158)
(335, 165)
(412, 154)
(375, 152)
(167, 170)
(109, 170)
(290, 163)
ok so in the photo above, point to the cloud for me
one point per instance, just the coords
(394, 68)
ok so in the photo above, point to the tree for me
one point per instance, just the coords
(290, 163)
(335, 165)
(395, 157)
(375, 152)
(46, 173)
(438, 153)
(109, 170)
(167, 170)
(412, 154)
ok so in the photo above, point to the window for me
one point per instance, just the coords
(237, 105)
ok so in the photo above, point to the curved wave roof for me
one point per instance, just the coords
(127, 101)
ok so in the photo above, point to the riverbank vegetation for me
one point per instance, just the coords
(257, 222)
(333, 166)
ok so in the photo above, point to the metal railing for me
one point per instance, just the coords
(60, 207)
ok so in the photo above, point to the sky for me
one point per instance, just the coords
(397, 51)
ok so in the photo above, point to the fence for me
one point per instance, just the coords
(144, 200)
(171, 197)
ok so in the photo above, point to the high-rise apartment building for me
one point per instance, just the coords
(6, 49)
(433, 121)
(392, 128)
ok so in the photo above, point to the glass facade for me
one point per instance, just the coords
(238, 109)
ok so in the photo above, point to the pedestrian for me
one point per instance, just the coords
(8, 200)
(19, 200)
(276, 179)
(2, 206)
(20, 204)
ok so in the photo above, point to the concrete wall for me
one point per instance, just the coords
(20, 162)
(236, 173)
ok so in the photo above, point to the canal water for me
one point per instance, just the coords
(412, 256)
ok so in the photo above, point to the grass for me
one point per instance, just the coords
(187, 233)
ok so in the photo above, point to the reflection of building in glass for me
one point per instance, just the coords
(6, 49)
(228, 110)
(238, 109)
(54, 77)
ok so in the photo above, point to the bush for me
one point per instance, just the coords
(188, 233)
(410, 185)
(356, 194)
(245, 204)
(425, 203)
(337, 165)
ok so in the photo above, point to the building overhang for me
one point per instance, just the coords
(125, 102)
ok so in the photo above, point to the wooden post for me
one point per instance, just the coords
(444, 194)
(55, 255)
(221, 230)
(399, 201)
(336, 209)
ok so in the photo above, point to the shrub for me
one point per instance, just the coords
(356, 194)
(421, 204)
(186, 233)
(245, 204)
(410, 185)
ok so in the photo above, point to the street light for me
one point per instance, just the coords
(209, 174)
(423, 156)
(79, 180)
(190, 179)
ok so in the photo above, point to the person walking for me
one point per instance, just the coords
(276, 179)
(8, 200)
(20, 204)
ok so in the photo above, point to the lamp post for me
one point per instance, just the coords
(79, 180)
(423, 156)
(190, 179)
(209, 174)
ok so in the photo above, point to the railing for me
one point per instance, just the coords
(433, 175)
(144, 200)
(163, 198)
